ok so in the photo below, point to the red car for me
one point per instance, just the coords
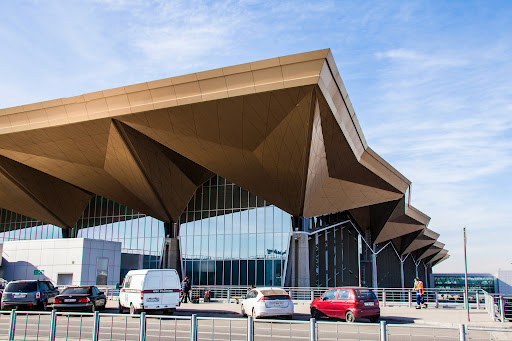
(349, 304)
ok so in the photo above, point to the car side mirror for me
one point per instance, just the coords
(101, 293)
(324, 298)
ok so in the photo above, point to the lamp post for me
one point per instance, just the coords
(466, 298)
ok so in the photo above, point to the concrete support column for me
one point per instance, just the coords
(374, 267)
(299, 260)
(68, 233)
(172, 257)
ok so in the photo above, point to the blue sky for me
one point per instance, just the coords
(431, 82)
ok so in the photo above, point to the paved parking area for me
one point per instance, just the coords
(394, 315)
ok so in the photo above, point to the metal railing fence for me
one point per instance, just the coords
(387, 296)
(51, 326)
(498, 306)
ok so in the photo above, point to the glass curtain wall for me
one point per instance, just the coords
(138, 233)
(14, 226)
(101, 219)
(229, 236)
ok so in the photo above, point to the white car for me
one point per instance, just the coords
(265, 302)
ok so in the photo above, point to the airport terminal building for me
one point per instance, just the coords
(251, 174)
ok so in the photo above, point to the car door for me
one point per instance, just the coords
(250, 298)
(43, 292)
(101, 299)
(52, 292)
(341, 303)
(325, 304)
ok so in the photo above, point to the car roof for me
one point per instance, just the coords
(145, 271)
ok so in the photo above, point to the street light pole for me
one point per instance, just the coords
(466, 298)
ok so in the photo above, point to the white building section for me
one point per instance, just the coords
(505, 282)
(73, 261)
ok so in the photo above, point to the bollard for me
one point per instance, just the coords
(477, 300)
(410, 299)
(229, 295)
(462, 333)
(53, 325)
(502, 310)
(193, 328)
(142, 328)
(12, 325)
(383, 331)
(96, 326)
(312, 294)
(384, 297)
(250, 328)
(312, 329)
(437, 300)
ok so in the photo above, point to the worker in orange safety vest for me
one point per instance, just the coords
(420, 300)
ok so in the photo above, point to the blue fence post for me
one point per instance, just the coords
(96, 326)
(53, 325)
(383, 331)
(193, 328)
(312, 329)
(12, 325)
(142, 329)
(250, 328)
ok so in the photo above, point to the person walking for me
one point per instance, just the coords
(420, 299)
(185, 290)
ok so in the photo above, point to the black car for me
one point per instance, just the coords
(28, 294)
(87, 298)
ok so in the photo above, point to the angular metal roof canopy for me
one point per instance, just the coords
(430, 251)
(441, 260)
(421, 239)
(282, 128)
(441, 254)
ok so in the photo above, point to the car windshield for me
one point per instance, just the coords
(76, 291)
(21, 287)
(365, 294)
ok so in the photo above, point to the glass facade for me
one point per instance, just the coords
(457, 281)
(101, 219)
(229, 236)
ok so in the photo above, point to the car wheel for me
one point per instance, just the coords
(315, 313)
(44, 305)
(244, 314)
(253, 314)
(92, 308)
(133, 311)
(288, 317)
(120, 309)
(374, 319)
(350, 317)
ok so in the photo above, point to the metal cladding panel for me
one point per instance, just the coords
(283, 129)
(331, 270)
(312, 261)
(338, 236)
(409, 272)
(350, 265)
(322, 260)
(388, 269)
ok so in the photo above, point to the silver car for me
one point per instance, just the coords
(28, 294)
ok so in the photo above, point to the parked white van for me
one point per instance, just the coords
(155, 289)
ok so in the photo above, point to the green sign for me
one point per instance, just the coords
(38, 272)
